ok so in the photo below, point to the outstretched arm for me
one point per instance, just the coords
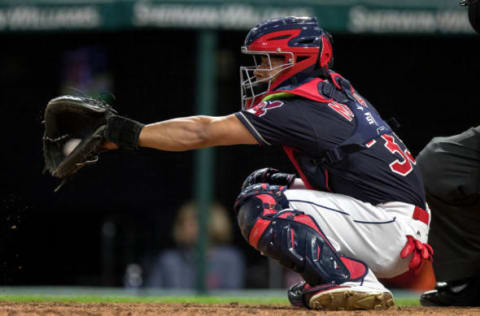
(186, 133)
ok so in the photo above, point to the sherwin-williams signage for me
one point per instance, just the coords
(368, 16)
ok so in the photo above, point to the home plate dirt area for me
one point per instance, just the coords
(233, 309)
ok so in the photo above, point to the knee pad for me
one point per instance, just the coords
(292, 237)
(256, 202)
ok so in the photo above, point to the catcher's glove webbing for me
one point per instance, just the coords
(90, 123)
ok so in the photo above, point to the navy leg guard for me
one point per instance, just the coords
(292, 237)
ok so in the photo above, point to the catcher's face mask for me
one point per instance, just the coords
(256, 81)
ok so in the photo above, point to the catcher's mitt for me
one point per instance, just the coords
(68, 119)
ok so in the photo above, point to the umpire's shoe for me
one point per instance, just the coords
(453, 293)
(339, 297)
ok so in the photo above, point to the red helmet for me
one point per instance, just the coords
(306, 48)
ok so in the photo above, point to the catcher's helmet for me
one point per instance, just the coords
(306, 48)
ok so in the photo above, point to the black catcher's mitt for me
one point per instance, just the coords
(74, 134)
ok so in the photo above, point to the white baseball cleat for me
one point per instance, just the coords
(350, 298)
(364, 294)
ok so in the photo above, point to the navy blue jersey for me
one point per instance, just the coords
(384, 171)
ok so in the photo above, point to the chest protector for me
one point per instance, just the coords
(338, 91)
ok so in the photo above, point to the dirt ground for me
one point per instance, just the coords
(137, 309)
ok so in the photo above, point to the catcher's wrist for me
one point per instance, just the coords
(123, 132)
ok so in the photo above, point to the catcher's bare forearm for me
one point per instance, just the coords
(194, 132)
(178, 134)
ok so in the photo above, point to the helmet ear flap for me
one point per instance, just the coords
(326, 53)
(330, 41)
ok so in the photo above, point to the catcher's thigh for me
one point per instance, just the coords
(372, 234)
